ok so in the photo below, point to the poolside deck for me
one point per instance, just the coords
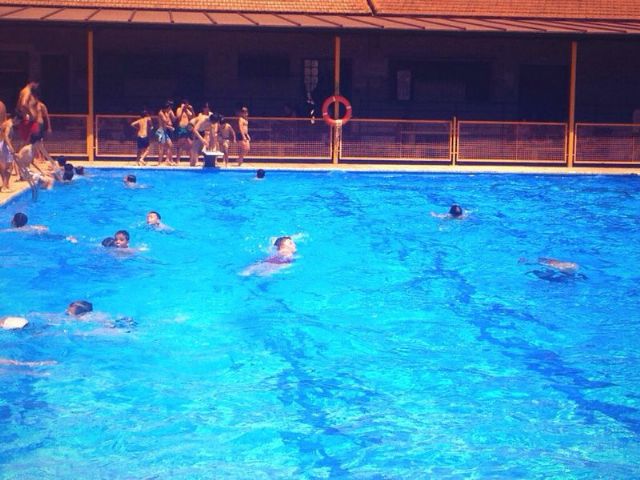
(19, 187)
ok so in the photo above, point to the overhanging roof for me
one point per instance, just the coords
(541, 9)
(71, 11)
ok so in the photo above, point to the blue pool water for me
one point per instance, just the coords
(398, 345)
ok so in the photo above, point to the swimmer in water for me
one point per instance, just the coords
(78, 308)
(19, 221)
(154, 220)
(19, 224)
(121, 239)
(108, 242)
(283, 257)
(557, 270)
(455, 213)
(285, 249)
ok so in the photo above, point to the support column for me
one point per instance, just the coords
(571, 141)
(90, 111)
(337, 130)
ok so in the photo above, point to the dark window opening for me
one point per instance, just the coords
(441, 81)
(14, 74)
(263, 66)
(128, 82)
(543, 92)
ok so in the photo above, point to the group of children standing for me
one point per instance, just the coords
(191, 134)
(28, 124)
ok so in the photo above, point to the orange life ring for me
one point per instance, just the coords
(336, 121)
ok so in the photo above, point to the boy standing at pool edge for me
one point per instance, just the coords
(143, 125)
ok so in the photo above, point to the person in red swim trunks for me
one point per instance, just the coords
(283, 257)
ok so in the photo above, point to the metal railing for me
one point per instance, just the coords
(402, 141)
(284, 139)
(600, 143)
(271, 138)
(379, 140)
(68, 136)
(115, 137)
(511, 142)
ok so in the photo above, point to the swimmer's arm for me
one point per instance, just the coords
(196, 132)
(439, 215)
(212, 130)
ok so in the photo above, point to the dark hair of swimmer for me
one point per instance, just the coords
(68, 167)
(61, 161)
(67, 176)
(280, 240)
(19, 220)
(78, 308)
(80, 170)
(157, 214)
(213, 118)
(124, 233)
(130, 179)
(260, 173)
(168, 104)
(455, 211)
(144, 113)
(108, 242)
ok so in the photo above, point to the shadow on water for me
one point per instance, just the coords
(545, 362)
(306, 388)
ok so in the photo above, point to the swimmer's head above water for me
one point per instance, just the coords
(121, 239)
(153, 218)
(455, 211)
(285, 246)
(77, 308)
(108, 242)
(19, 220)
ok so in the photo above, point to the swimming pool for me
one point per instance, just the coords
(397, 345)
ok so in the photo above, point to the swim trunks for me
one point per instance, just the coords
(37, 132)
(163, 135)
(183, 132)
(24, 129)
(5, 154)
(143, 142)
(279, 260)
